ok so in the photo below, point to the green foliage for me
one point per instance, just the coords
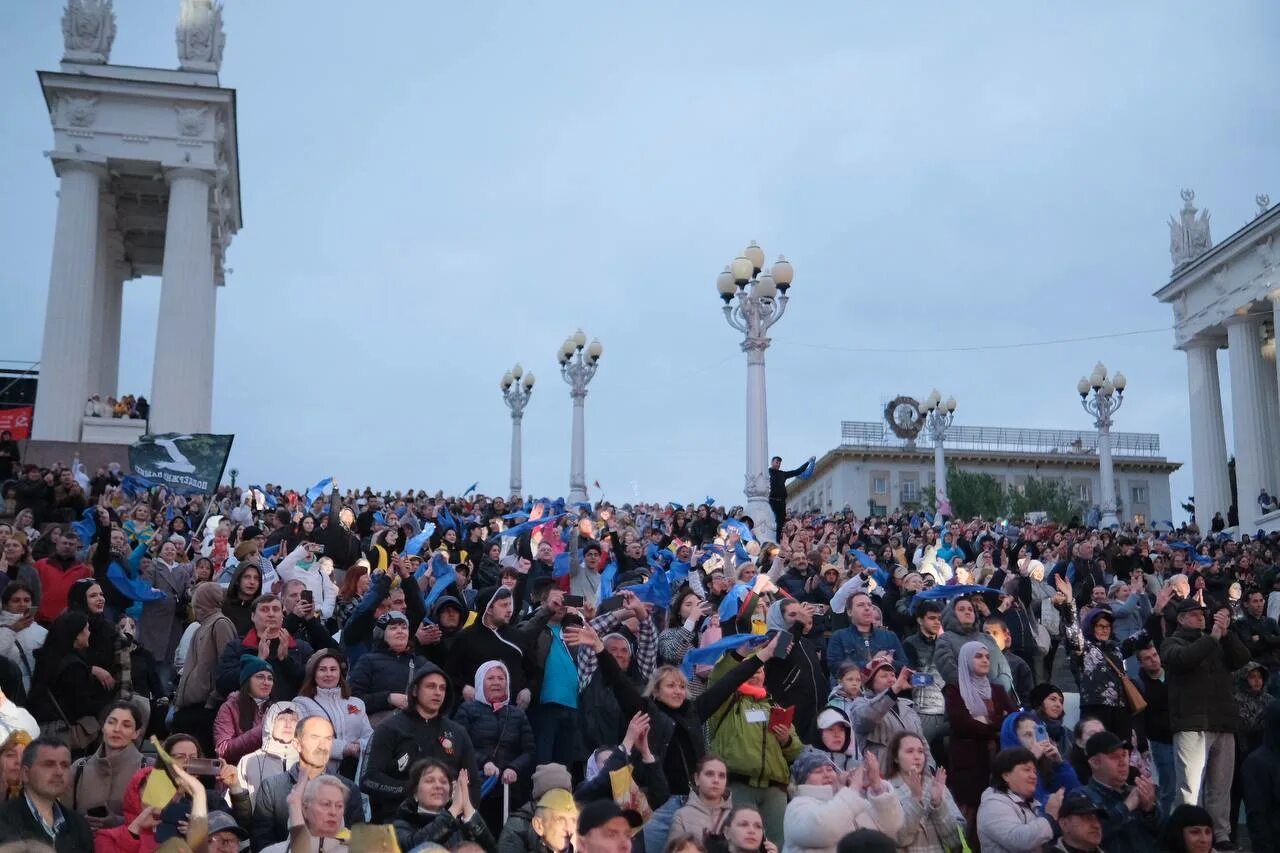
(977, 494)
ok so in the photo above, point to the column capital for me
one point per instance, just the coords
(64, 162)
(1241, 319)
(205, 176)
(1201, 343)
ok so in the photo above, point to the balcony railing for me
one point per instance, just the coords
(1010, 439)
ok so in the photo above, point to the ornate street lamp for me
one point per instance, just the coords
(938, 414)
(578, 367)
(1102, 396)
(515, 394)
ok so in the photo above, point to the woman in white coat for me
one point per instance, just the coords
(325, 693)
(1009, 821)
(823, 810)
(302, 564)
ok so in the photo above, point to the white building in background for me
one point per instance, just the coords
(873, 470)
(1228, 296)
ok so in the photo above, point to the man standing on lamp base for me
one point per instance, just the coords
(778, 491)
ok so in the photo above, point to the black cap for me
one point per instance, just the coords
(250, 532)
(599, 812)
(1078, 803)
(1102, 743)
(1189, 604)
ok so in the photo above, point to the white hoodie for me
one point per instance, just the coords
(20, 647)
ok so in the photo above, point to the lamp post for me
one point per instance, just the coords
(938, 414)
(1105, 400)
(516, 395)
(577, 368)
(752, 310)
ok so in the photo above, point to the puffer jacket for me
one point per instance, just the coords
(274, 755)
(415, 827)
(381, 672)
(1199, 671)
(739, 731)
(231, 741)
(819, 816)
(1008, 824)
(517, 835)
(500, 734)
(699, 819)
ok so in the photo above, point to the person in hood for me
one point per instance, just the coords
(1260, 781)
(382, 675)
(325, 693)
(1097, 661)
(1053, 773)
(796, 680)
(1253, 700)
(500, 734)
(437, 633)
(277, 751)
(884, 708)
(835, 738)
(960, 626)
(197, 698)
(493, 637)
(419, 730)
(976, 708)
(439, 810)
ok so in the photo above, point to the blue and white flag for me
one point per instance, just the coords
(711, 653)
(316, 491)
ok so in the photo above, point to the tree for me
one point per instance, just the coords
(1053, 497)
(971, 493)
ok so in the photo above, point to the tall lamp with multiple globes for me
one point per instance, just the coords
(1101, 396)
(516, 393)
(578, 362)
(938, 414)
(754, 299)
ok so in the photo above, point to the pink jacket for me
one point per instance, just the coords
(230, 742)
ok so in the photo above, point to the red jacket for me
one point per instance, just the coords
(231, 742)
(55, 583)
(118, 839)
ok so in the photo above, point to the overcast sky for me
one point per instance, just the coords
(433, 191)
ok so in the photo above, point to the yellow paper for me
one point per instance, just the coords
(159, 789)
(620, 782)
(373, 838)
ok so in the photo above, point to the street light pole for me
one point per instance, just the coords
(578, 368)
(516, 395)
(1105, 400)
(752, 310)
(938, 414)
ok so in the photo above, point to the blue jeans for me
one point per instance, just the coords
(1162, 755)
(555, 730)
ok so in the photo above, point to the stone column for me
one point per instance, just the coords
(517, 482)
(182, 383)
(1212, 486)
(1269, 394)
(104, 351)
(68, 321)
(578, 448)
(1248, 413)
(757, 478)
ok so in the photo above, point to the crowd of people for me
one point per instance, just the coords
(355, 670)
(127, 406)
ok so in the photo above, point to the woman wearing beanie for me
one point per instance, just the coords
(825, 808)
(325, 693)
(237, 729)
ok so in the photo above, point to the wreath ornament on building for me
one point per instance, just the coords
(904, 418)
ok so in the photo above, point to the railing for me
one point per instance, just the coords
(1049, 441)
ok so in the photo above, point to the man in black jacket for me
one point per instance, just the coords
(35, 814)
(270, 641)
(1159, 731)
(797, 680)
(1258, 631)
(778, 491)
(419, 731)
(493, 637)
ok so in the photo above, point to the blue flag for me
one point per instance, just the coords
(711, 653)
(471, 488)
(413, 547)
(270, 551)
(675, 505)
(87, 526)
(606, 581)
(443, 580)
(864, 559)
(518, 515)
(808, 468)
(710, 501)
(742, 530)
(489, 785)
(132, 485)
(317, 490)
(732, 602)
(952, 591)
(655, 591)
(560, 566)
(528, 526)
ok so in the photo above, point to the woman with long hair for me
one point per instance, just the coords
(355, 583)
(931, 820)
(63, 690)
(237, 728)
(744, 832)
(86, 596)
(17, 566)
(709, 803)
(438, 810)
(11, 750)
(237, 605)
(324, 692)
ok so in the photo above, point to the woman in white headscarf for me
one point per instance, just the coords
(976, 708)
(501, 736)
